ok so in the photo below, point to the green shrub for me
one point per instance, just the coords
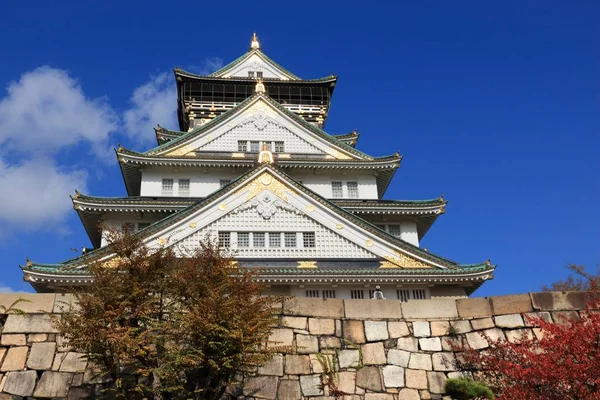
(466, 389)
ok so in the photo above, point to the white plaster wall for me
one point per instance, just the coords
(321, 183)
(343, 291)
(447, 292)
(116, 220)
(203, 182)
(255, 63)
(408, 232)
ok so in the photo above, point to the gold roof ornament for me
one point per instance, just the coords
(254, 44)
(265, 156)
(260, 86)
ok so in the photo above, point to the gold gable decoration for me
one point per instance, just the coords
(404, 261)
(182, 151)
(263, 182)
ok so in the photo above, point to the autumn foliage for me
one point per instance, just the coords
(168, 327)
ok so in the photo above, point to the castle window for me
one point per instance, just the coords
(290, 239)
(243, 239)
(224, 182)
(329, 294)
(394, 230)
(184, 187)
(403, 294)
(254, 146)
(352, 189)
(242, 146)
(357, 294)
(279, 148)
(250, 74)
(308, 239)
(312, 293)
(419, 294)
(224, 239)
(274, 239)
(259, 74)
(258, 239)
(167, 187)
(337, 189)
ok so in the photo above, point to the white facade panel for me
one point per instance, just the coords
(321, 183)
(202, 183)
(408, 232)
(255, 64)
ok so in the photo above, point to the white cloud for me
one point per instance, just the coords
(46, 111)
(208, 66)
(35, 194)
(152, 103)
(6, 289)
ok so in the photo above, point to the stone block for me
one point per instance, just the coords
(460, 326)
(474, 308)
(281, 337)
(494, 334)
(515, 335)
(62, 343)
(79, 393)
(398, 357)
(41, 355)
(20, 383)
(30, 323)
(294, 322)
(373, 353)
(77, 380)
(430, 344)
(398, 329)
(330, 342)
(379, 396)
(14, 359)
(289, 390)
(261, 387)
(53, 384)
(514, 304)
(564, 317)
(33, 303)
(376, 330)
(306, 344)
(531, 318)
(311, 385)
(416, 379)
(347, 381)
(273, 367)
(430, 309)
(307, 307)
(321, 326)
(558, 301)
(73, 362)
(58, 358)
(318, 362)
(369, 378)
(477, 341)
(420, 361)
(349, 358)
(64, 302)
(482, 323)
(297, 365)
(449, 343)
(443, 361)
(421, 329)
(354, 331)
(509, 321)
(393, 376)
(37, 337)
(93, 373)
(373, 309)
(439, 328)
(16, 339)
(409, 394)
(437, 380)
(408, 344)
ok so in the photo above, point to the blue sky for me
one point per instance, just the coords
(495, 106)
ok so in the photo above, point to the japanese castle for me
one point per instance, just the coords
(252, 167)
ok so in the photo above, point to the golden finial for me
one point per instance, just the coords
(265, 156)
(76, 194)
(489, 261)
(254, 45)
(260, 86)
(28, 262)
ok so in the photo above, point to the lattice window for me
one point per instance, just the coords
(224, 182)
(352, 189)
(167, 187)
(312, 293)
(308, 239)
(250, 74)
(329, 294)
(279, 147)
(224, 239)
(258, 239)
(371, 293)
(357, 294)
(394, 230)
(142, 225)
(403, 294)
(243, 239)
(337, 189)
(259, 74)
(254, 146)
(242, 146)
(290, 239)
(274, 239)
(183, 187)
(419, 294)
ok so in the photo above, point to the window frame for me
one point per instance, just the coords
(337, 189)
(166, 183)
(186, 192)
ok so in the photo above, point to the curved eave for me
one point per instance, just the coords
(326, 80)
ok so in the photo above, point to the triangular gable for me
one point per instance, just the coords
(268, 185)
(259, 118)
(254, 61)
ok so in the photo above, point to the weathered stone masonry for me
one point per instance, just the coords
(384, 349)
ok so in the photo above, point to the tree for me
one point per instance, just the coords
(563, 364)
(168, 327)
(467, 389)
(579, 280)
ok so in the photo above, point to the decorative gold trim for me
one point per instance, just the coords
(284, 155)
(339, 226)
(222, 206)
(263, 182)
(404, 261)
(238, 155)
(307, 264)
(369, 243)
(162, 241)
(310, 209)
(192, 224)
(182, 151)
(233, 264)
(387, 264)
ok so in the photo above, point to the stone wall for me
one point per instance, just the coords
(382, 349)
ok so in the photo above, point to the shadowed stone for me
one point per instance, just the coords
(73, 362)
(475, 307)
(307, 344)
(41, 355)
(376, 309)
(53, 384)
(379, 396)
(273, 367)
(15, 359)
(281, 337)
(376, 330)
(318, 361)
(20, 383)
(444, 361)
(531, 318)
(369, 378)
(262, 387)
(393, 376)
(518, 334)
(297, 365)
(330, 342)
(35, 303)
(30, 323)
(436, 382)
(354, 331)
(515, 304)
(326, 308)
(461, 326)
(311, 385)
(294, 322)
(552, 301)
(289, 390)
(482, 323)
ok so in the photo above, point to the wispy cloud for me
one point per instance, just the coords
(207, 66)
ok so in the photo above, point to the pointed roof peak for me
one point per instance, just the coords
(254, 45)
